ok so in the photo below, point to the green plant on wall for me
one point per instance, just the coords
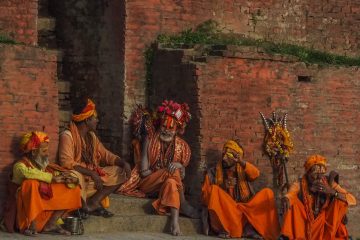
(6, 40)
(209, 33)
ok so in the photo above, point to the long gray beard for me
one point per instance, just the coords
(41, 162)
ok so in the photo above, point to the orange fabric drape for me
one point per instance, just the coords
(30, 206)
(160, 180)
(168, 187)
(230, 216)
(327, 225)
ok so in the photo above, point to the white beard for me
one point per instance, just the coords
(42, 163)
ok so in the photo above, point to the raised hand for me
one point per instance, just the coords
(173, 166)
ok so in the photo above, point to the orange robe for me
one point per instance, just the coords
(130, 187)
(31, 206)
(327, 225)
(160, 181)
(227, 215)
(71, 149)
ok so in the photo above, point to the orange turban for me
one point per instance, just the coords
(32, 140)
(314, 160)
(234, 146)
(87, 112)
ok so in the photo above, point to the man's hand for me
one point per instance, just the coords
(239, 158)
(97, 180)
(58, 179)
(125, 165)
(145, 173)
(127, 170)
(323, 187)
(173, 166)
(285, 204)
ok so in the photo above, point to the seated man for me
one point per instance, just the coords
(38, 196)
(316, 205)
(81, 151)
(164, 156)
(229, 203)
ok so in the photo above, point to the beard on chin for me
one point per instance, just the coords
(41, 162)
(165, 137)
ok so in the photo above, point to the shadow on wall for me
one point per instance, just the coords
(6, 172)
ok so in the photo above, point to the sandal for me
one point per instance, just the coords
(101, 212)
(81, 213)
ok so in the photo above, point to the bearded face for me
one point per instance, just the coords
(168, 129)
(40, 156)
(316, 173)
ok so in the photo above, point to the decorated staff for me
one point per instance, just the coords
(278, 146)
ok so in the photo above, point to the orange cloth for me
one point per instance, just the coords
(160, 180)
(168, 187)
(327, 225)
(230, 216)
(314, 160)
(30, 206)
(70, 154)
(87, 112)
(32, 140)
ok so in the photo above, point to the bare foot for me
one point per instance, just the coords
(56, 230)
(175, 229)
(224, 235)
(30, 233)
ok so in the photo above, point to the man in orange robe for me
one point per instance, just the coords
(164, 156)
(39, 196)
(316, 205)
(100, 171)
(230, 206)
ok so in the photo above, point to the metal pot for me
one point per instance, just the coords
(74, 225)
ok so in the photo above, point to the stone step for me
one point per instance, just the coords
(107, 236)
(123, 205)
(136, 214)
(139, 223)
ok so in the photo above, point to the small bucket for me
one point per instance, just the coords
(74, 225)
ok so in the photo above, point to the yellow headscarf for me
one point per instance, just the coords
(87, 112)
(234, 146)
(32, 140)
(314, 160)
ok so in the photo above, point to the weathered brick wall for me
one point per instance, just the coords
(326, 25)
(175, 81)
(91, 37)
(18, 20)
(229, 92)
(28, 101)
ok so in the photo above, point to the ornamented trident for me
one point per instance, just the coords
(278, 146)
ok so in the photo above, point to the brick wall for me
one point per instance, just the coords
(228, 92)
(326, 25)
(18, 20)
(90, 34)
(28, 101)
